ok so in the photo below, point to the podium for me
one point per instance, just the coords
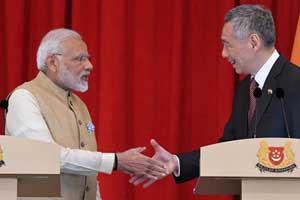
(29, 169)
(256, 169)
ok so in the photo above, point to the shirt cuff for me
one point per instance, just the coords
(177, 172)
(107, 163)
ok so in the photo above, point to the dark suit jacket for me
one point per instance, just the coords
(270, 122)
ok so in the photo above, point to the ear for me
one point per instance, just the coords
(254, 40)
(52, 63)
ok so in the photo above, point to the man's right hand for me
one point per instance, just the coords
(133, 162)
(162, 155)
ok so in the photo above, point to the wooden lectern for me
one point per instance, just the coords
(29, 169)
(256, 169)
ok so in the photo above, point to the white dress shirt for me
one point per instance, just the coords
(263, 72)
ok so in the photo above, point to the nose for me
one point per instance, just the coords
(88, 65)
(224, 53)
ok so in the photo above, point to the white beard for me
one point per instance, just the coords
(68, 80)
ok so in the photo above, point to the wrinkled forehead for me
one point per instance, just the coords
(73, 45)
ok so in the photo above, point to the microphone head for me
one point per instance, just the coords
(279, 93)
(3, 104)
(257, 92)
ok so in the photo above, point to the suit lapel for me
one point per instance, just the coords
(268, 92)
(269, 89)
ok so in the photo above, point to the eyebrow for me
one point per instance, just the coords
(82, 55)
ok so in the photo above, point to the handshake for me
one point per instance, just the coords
(144, 169)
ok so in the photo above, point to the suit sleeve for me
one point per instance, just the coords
(189, 166)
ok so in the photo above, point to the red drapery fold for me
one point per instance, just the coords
(158, 71)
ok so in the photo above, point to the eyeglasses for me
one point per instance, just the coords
(57, 54)
(80, 58)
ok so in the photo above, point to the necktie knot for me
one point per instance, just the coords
(253, 85)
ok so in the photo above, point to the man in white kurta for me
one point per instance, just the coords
(46, 109)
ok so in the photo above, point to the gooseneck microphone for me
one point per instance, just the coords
(257, 94)
(280, 96)
(4, 104)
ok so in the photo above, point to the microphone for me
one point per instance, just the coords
(257, 94)
(4, 104)
(280, 96)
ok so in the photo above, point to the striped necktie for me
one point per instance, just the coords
(252, 100)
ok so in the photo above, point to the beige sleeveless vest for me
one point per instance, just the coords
(70, 125)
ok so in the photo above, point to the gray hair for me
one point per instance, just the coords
(247, 19)
(50, 44)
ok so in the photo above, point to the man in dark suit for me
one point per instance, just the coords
(248, 38)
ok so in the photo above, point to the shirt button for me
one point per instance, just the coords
(82, 144)
(87, 188)
(79, 122)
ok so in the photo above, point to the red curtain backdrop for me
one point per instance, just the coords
(158, 72)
